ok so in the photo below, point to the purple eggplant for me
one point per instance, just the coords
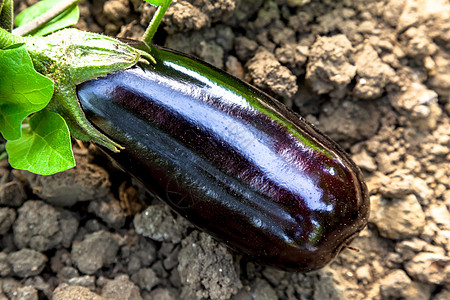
(232, 160)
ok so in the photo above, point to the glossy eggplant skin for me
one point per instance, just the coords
(232, 160)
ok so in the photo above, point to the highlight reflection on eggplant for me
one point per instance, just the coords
(232, 160)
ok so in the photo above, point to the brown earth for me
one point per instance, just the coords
(374, 75)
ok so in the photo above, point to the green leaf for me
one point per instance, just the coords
(67, 18)
(44, 148)
(23, 91)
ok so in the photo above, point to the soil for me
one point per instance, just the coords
(374, 75)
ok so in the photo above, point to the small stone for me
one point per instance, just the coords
(159, 269)
(440, 82)
(415, 99)
(442, 295)
(434, 249)
(67, 273)
(399, 218)
(121, 288)
(42, 227)
(243, 295)
(12, 194)
(43, 286)
(349, 121)
(418, 43)
(84, 182)
(295, 3)
(26, 293)
(430, 268)
(60, 259)
(274, 276)
(411, 163)
(234, 67)
(245, 48)
(182, 16)
(372, 74)
(293, 56)
(225, 37)
(365, 161)
(145, 279)
(95, 251)
(115, 10)
(395, 284)
(397, 185)
(329, 284)
(440, 214)
(7, 218)
(9, 286)
(94, 225)
(207, 268)
(262, 290)
(166, 249)
(68, 292)
(5, 268)
(163, 294)
(211, 52)
(217, 10)
(134, 264)
(188, 294)
(132, 31)
(27, 262)
(392, 11)
(443, 239)
(158, 223)
(266, 72)
(328, 68)
(175, 279)
(384, 163)
(429, 232)
(423, 192)
(171, 260)
(408, 249)
(363, 274)
(137, 252)
(85, 281)
(109, 210)
(267, 15)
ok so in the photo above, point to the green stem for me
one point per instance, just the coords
(7, 39)
(45, 17)
(156, 20)
(6, 14)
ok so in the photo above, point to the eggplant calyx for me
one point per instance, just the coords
(80, 55)
(70, 57)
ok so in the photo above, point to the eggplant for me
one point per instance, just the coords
(232, 160)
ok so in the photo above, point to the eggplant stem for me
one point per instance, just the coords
(156, 20)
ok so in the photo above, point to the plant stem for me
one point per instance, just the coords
(44, 18)
(6, 14)
(156, 20)
(3, 153)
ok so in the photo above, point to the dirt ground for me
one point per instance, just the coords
(372, 74)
